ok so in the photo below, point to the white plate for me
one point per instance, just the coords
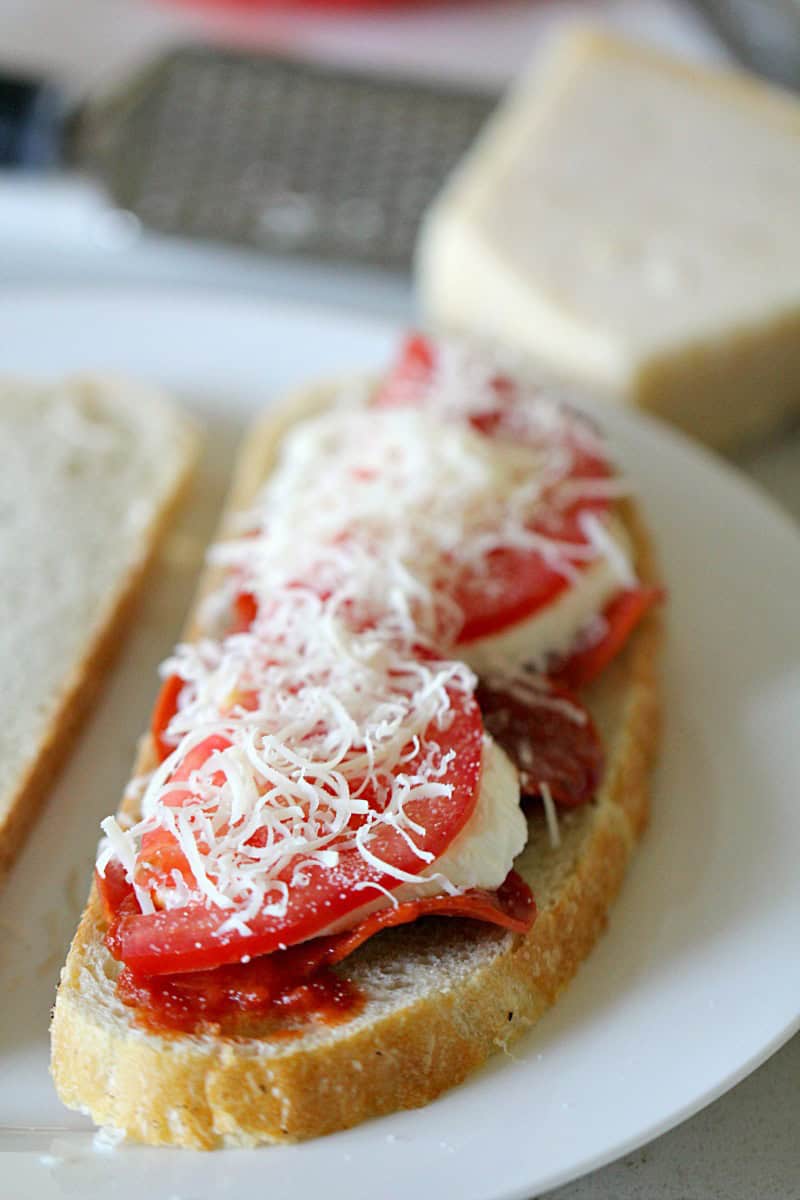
(698, 979)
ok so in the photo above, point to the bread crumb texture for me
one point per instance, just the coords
(91, 470)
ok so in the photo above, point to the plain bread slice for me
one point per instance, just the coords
(91, 469)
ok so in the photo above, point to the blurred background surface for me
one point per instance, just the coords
(58, 226)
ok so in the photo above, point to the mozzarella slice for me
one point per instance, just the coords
(555, 629)
(483, 852)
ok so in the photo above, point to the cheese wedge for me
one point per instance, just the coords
(630, 223)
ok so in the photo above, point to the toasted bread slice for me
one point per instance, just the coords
(92, 468)
(441, 994)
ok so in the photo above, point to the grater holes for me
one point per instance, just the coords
(290, 157)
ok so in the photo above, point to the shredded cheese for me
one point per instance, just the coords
(327, 713)
(550, 815)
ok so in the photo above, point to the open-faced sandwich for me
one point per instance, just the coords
(394, 773)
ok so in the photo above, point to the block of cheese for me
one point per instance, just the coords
(632, 223)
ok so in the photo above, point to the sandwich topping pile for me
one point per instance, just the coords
(389, 670)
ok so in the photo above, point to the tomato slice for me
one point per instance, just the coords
(622, 616)
(408, 382)
(410, 375)
(245, 611)
(189, 938)
(512, 907)
(520, 581)
(297, 982)
(165, 708)
(159, 853)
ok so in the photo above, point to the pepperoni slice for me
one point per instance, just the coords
(512, 907)
(548, 735)
(514, 583)
(621, 617)
(190, 938)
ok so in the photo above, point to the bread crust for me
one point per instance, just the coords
(81, 690)
(206, 1092)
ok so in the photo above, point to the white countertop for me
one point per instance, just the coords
(59, 229)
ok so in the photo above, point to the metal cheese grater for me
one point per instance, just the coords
(282, 155)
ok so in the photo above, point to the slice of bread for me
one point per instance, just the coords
(91, 470)
(441, 994)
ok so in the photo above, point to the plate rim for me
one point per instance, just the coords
(701, 459)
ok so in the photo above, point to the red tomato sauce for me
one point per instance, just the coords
(239, 999)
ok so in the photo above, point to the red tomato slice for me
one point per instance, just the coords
(188, 939)
(550, 738)
(246, 609)
(521, 581)
(408, 381)
(159, 853)
(512, 907)
(165, 708)
(521, 584)
(409, 377)
(622, 616)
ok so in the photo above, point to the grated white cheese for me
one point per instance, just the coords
(328, 710)
(551, 815)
